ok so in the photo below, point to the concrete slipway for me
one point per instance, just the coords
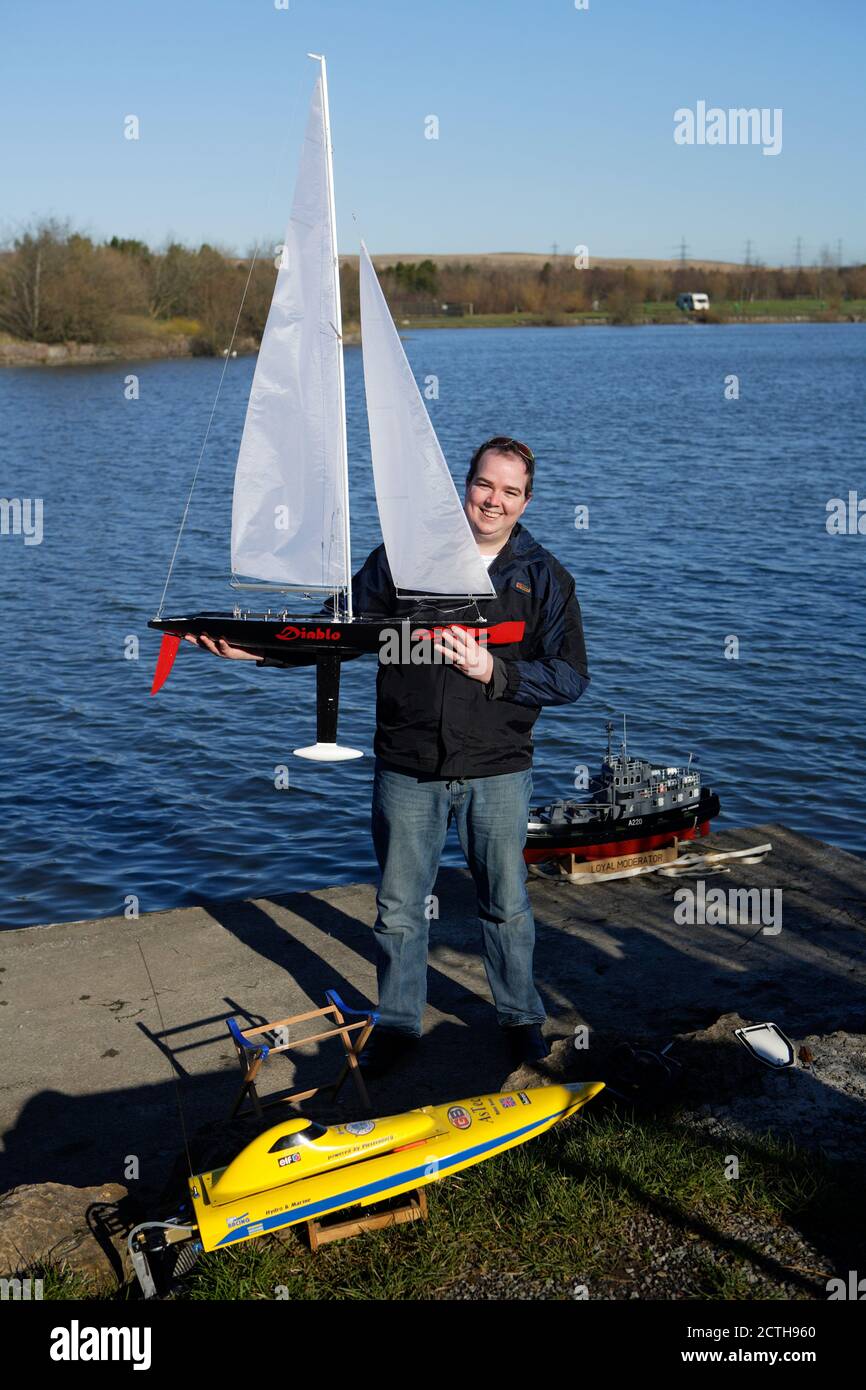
(87, 1074)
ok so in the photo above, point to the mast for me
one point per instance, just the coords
(611, 794)
(338, 327)
(291, 479)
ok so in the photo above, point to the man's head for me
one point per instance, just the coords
(498, 490)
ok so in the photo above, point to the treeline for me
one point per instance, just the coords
(557, 288)
(57, 285)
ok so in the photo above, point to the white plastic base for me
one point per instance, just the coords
(327, 753)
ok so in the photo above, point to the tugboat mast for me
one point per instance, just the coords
(611, 790)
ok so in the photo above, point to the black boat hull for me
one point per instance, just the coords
(603, 836)
(299, 641)
(318, 642)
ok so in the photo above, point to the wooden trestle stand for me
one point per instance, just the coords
(411, 1206)
(255, 1045)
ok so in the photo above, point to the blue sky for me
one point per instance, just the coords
(555, 124)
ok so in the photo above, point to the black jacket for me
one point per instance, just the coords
(432, 719)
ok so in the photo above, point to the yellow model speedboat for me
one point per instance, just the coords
(301, 1169)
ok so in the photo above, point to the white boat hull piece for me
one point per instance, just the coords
(327, 753)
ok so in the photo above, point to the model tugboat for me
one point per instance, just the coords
(634, 806)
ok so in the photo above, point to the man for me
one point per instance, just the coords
(454, 739)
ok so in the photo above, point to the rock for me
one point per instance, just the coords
(526, 1076)
(558, 1066)
(16, 352)
(82, 1228)
(818, 1104)
(715, 1062)
(719, 1088)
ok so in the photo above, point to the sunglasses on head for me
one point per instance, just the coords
(499, 441)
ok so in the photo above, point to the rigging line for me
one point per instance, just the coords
(173, 1071)
(228, 357)
(206, 437)
(429, 599)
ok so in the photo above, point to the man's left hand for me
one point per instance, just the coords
(460, 649)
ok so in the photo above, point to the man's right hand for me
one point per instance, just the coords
(221, 648)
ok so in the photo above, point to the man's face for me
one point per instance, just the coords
(495, 498)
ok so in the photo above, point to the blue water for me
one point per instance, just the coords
(706, 522)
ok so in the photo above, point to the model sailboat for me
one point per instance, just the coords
(290, 513)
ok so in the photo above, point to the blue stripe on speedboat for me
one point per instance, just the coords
(347, 1199)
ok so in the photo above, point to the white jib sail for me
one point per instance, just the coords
(290, 505)
(428, 540)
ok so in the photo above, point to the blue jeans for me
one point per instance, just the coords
(410, 821)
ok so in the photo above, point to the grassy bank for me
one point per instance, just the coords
(607, 1206)
(143, 338)
(725, 311)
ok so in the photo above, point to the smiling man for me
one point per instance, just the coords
(454, 741)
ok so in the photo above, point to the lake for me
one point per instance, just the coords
(720, 613)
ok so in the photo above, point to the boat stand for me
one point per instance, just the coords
(412, 1206)
(666, 861)
(577, 870)
(252, 1051)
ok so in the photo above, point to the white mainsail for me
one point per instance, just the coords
(290, 506)
(427, 537)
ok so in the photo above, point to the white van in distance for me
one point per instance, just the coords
(693, 303)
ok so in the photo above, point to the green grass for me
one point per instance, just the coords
(792, 308)
(562, 1208)
(569, 1207)
(179, 325)
(665, 312)
(59, 1283)
(481, 321)
(143, 326)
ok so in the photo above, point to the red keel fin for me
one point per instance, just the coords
(165, 660)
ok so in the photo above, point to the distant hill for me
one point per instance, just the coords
(529, 260)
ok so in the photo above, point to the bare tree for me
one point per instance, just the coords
(36, 253)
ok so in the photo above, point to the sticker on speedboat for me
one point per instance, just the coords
(459, 1117)
(361, 1127)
